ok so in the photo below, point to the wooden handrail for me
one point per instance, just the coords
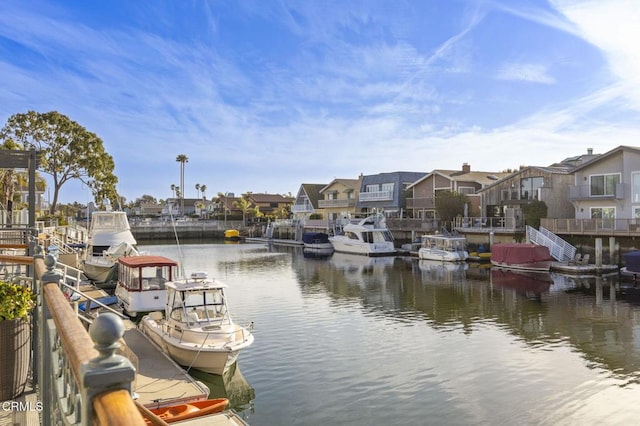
(116, 408)
(111, 408)
(19, 260)
(14, 246)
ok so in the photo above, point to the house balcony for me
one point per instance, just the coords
(583, 192)
(421, 203)
(376, 196)
(302, 208)
(337, 203)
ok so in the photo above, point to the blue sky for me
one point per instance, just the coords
(265, 95)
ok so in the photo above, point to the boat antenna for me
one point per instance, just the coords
(175, 233)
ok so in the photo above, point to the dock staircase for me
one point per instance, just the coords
(560, 249)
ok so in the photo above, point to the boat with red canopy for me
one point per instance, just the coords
(531, 257)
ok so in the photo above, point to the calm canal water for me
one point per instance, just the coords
(351, 340)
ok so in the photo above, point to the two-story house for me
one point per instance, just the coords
(421, 202)
(271, 204)
(604, 194)
(339, 198)
(385, 193)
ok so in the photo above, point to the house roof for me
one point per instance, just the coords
(608, 154)
(269, 198)
(562, 170)
(483, 178)
(353, 184)
(313, 192)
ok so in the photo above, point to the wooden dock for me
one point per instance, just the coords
(159, 380)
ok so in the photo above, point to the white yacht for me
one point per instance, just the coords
(109, 238)
(369, 237)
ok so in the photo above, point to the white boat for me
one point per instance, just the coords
(109, 238)
(196, 330)
(141, 283)
(443, 247)
(369, 236)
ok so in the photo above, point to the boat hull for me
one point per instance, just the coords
(346, 245)
(543, 266)
(213, 359)
(443, 255)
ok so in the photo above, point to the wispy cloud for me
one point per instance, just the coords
(533, 73)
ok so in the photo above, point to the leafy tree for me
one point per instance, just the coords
(449, 205)
(68, 151)
(145, 199)
(533, 212)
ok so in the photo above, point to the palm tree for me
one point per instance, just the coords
(173, 190)
(203, 189)
(182, 159)
(245, 205)
(198, 190)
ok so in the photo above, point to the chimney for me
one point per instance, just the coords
(466, 168)
(589, 151)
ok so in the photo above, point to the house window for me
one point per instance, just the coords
(466, 190)
(636, 212)
(607, 214)
(373, 188)
(635, 184)
(529, 187)
(603, 185)
(387, 186)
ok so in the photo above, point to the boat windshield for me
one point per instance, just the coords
(199, 306)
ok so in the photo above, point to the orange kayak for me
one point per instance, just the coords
(180, 412)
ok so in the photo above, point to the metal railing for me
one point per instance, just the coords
(80, 378)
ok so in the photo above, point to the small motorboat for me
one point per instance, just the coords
(180, 412)
(447, 248)
(141, 279)
(232, 235)
(196, 329)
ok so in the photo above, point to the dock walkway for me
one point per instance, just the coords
(159, 379)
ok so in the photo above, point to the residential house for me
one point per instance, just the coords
(339, 198)
(502, 201)
(421, 203)
(149, 209)
(385, 193)
(271, 204)
(306, 202)
(605, 193)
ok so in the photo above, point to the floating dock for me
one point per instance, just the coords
(159, 380)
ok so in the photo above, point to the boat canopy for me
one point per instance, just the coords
(315, 238)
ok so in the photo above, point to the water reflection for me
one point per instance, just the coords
(231, 385)
(591, 313)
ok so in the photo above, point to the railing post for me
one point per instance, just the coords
(108, 371)
(46, 381)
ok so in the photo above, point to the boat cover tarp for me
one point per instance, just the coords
(315, 237)
(632, 261)
(519, 253)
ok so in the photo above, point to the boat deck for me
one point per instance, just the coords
(159, 379)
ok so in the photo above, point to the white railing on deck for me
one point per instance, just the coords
(559, 248)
